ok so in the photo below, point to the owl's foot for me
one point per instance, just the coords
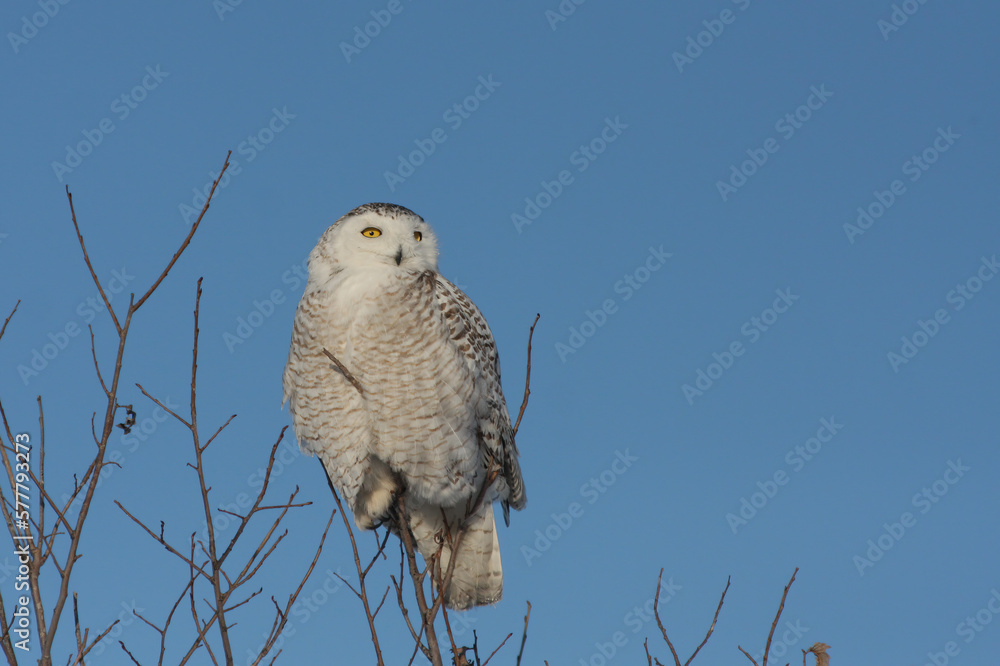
(377, 495)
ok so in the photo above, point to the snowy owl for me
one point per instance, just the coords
(413, 405)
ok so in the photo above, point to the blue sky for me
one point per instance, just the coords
(762, 240)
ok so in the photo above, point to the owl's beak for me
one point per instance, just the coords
(399, 255)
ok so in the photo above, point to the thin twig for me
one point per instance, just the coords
(94, 642)
(97, 367)
(524, 636)
(781, 607)
(130, 655)
(447, 626)
(283, 615)
(347, 373)
(76, 621)
(159, 539)
(363, 594)
(90, 266)
(659, 622)
(402, 606)
(187, 239)
(527, 377)
(7, 320)
(498, 648)
(752, 660)
(426, 613)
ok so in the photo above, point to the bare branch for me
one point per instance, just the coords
(362, 593)
(184, 244)
(498, 649)
(130, 655)
(347, 373)
(527, 377)
(402, 606)
(76, 622)
(7, 320)
(163, 406)
(90, 266)
(659, 622)
(433, 651)
(160, 540)
(94, 642)
(97, 367)
(282, 616)
(781, 607)
(752, 660)
(524, 636)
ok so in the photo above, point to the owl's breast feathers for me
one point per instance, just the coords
(431, 407)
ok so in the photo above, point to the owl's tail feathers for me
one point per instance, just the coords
(477, 579)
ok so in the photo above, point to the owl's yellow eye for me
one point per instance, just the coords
(371, 232)
(418, 235)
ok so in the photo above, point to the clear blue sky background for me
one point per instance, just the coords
(928, 89)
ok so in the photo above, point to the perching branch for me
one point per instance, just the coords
(362, 591)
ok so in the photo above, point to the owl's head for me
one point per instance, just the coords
(375, 235)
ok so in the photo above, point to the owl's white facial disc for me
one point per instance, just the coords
(375, 235)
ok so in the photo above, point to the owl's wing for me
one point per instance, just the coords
(474, 339)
